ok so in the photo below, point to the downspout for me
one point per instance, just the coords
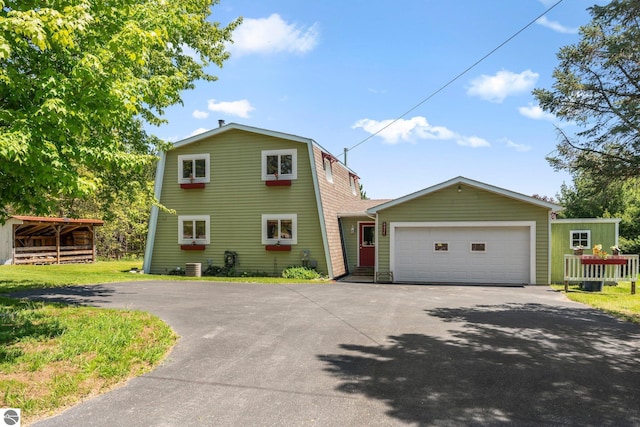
(153, 218)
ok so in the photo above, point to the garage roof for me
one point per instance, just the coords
(465, 181)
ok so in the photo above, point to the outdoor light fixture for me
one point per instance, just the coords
(459, 188)
(353, 230)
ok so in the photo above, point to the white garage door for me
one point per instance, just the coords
(462, 254)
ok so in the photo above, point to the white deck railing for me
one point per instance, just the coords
(616, 268)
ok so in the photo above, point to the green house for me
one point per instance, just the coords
(254, 199)
(259, 200)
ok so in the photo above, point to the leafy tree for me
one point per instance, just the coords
(597, 86)
(78, 80)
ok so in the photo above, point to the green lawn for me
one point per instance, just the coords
(615, 300)
(21, 277)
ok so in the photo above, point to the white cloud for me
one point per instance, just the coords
(198, 131)
(240, 108)
(556, 26)
(536, 113)
(518, 147)
(416, 128)
(200, 114)
(273, 35)
(504, 83)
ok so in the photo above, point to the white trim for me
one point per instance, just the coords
(194, 218)
(586, 220)
(294, 229)
(153, 218)
(286, 152)
(236, 126)
(450, 224)
(193, 157)
(469, 182)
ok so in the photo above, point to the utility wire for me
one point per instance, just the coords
(447, 84)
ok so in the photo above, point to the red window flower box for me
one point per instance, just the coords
(278, 183)
(190, 185)
(192, 247)
(281, 248)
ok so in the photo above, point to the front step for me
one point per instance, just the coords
(363, 271)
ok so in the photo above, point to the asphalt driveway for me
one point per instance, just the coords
(363, 354)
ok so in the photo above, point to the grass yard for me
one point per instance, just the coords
(54, 355)
(615, 300)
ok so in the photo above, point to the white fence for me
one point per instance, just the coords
(578, 268)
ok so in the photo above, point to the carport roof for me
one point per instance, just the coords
(465, 181)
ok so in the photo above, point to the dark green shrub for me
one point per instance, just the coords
(299, 272)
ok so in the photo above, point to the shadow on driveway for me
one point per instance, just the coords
(525, 364)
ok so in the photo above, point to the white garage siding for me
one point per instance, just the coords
(508, 258)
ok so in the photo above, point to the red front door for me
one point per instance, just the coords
(367, 242)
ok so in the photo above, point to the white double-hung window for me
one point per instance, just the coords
(193, 168)
(279, 164)
(193, 230)
(280, 229)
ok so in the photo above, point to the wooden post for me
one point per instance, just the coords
(57, 228)
(633, 288)
(93, 243)
(566, 286)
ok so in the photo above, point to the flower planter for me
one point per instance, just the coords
(278, 248)
(278, 183)
(189, 186)
(587, 260)
(592, 286)
(192, 247)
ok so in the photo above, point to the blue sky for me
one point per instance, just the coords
(338, 71)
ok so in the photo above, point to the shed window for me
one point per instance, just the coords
(580, 238)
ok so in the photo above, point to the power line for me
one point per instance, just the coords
(447, 84)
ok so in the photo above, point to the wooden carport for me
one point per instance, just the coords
(43, 240)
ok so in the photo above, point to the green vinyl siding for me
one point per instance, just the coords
(471, 205)
(351, 244)
(235, 199)
(602, 232)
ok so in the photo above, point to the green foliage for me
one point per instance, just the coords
(79, 78)
(596, 86)
(302, 273)
(586, 199)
